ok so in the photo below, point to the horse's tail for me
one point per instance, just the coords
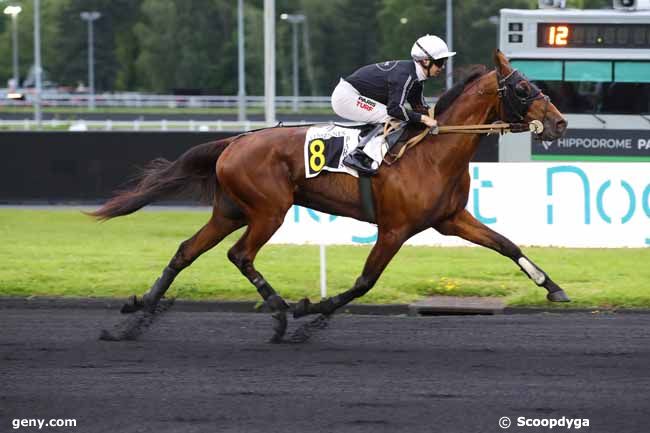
(162, 178)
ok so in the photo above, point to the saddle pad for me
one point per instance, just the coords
(326, 147)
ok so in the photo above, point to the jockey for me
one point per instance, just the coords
(377, 92)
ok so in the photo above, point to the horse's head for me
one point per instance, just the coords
(522, 101)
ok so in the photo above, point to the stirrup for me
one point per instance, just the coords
(358, 160)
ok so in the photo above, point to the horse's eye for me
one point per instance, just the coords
(522, 89)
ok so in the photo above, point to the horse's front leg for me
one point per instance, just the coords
(388, 243)
(464, 225)
(207, 237)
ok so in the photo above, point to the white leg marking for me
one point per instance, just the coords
(537, 276)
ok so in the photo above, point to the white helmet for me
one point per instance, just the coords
(430, 47)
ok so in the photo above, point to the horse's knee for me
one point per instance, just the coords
(235, 256)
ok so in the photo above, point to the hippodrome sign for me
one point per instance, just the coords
(595, 67)
(556, 204)
(607, 143)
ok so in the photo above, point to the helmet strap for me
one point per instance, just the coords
(431, 59)
(427, 69)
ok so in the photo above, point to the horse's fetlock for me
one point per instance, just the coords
(276, 303)
(302, 308)
(329, 305)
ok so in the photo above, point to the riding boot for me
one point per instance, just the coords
(358, 160)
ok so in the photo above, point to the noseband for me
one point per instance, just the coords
(516, 107)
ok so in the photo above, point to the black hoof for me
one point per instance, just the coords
(279, 326)
(558, 296)
(132, 305)
(301, 309)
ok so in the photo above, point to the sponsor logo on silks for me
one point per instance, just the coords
(366, 104)
(386, 66)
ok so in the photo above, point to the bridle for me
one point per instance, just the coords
(515, 107)
(512, 112)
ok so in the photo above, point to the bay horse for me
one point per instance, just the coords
(253, 179)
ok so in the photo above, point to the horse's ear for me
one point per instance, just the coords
(501, 62)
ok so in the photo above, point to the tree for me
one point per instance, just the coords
(187, 44)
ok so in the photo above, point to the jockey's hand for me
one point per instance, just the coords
(429, 121)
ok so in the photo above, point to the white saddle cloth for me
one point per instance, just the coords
(327, 146)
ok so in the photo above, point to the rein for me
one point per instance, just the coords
(535, 127)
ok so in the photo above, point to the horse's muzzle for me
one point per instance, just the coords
(553, 129)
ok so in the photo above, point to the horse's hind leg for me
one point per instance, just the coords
(243, 253)
(464, 225)
(388, 244)
(207, 237)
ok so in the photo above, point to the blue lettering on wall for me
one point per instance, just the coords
(601, 207)
(316, 217)
(632, 207)
(646, 206)
(550, 172)
(600, 200)
(364, 240)
(312, 213)
(475, 199)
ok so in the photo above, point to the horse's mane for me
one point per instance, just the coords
(448, 98)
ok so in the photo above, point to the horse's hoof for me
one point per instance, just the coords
(558, 296)
(279, 326)
(132, 305)
(301, 308)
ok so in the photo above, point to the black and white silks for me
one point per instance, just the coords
(392, 83)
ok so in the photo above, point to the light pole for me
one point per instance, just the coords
(14, 11)
(294, 19)
(240, 61)
(450, 43)
(38, 69)
(90, 17)
(269, 61)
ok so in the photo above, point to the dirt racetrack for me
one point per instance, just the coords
(214, 372)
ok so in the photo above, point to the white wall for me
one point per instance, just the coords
(546, 204)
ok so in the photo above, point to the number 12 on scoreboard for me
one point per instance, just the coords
(558, 35)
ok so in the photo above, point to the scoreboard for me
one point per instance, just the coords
(595, 66)
(576, 34)
(581, 35)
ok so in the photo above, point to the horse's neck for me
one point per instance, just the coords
(475, 106)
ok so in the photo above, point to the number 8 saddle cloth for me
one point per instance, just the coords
(327, 145)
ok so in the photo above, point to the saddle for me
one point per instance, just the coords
(339, 148)
(394, 138)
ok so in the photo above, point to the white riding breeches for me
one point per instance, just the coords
(349, 104)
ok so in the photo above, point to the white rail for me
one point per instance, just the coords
(139, 100)
(135, 125)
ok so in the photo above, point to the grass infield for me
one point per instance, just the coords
(65, 253)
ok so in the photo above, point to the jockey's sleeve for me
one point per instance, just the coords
(416, 99)
(400, 86)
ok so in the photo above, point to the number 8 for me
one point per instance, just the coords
(317, 158)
